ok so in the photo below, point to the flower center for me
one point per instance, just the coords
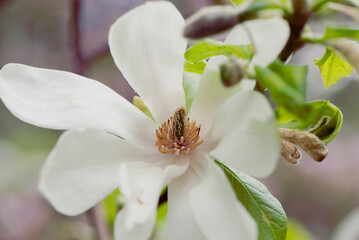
(178, 135)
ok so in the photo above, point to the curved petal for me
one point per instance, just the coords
(215, 207)
(244, 134)
(181, 223)
(148, 47)
(269, 38)
(82, 169)
(211, 92)
(141, 184)
(62, 100)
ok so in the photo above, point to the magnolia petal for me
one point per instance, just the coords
(211, 92)
(148, 47)
(62, 100)
(141, 184)
(269, 38)
(82, 169)
(181, 223)
(216, 209)
(244, 134)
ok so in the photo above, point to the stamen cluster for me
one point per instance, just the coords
(178, 135)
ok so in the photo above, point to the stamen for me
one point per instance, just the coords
(178, 135)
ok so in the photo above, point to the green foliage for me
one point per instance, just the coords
(324, 120)
(110, 206)
(259, 5)
(342, 31)
(332, 67)
(160, 225)
(190, 85)
(287, 84)
(194, 67)
(205, 49)
(296, 231)
(138, 102)
(263, 207)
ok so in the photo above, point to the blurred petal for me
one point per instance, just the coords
(141, 184)
(62, 100)
(148, 47)
(216, 208)
(269, 37)
(82, 169)
(244, 134)
(180, 220)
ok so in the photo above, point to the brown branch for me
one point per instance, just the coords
(163, 197)
(93, 216)
(78, 60)
(296, 21)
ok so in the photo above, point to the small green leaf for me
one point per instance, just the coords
(160, 226)
(138, 102)
(261, 205)
(287, 84)
(343, 31)
(110, 206)
(296, 231)
(190, 85)
(332, 67)
(204, 49)
(194, 67)
(324, 120)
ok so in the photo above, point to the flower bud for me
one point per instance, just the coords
(231, 72)
(211, 20)
(310, 143)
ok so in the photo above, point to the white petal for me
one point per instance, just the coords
(148, 47)
(62, 100)
(211, 92)
(244, 134)
(269, 37)
(180, 220)
(216, 209)
(141, 184)
(82, 169)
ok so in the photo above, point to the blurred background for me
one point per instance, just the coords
(71, 35)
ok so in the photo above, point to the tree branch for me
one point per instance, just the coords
(296, 21)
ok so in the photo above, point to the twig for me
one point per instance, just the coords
(79, 64)
(93, 216)
(296, 21)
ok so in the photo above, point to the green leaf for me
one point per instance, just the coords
(287, 84)
(324, 120)
(204, 49)
(138, 102)
(343, 31)
(296, 231)
(194, 67)
(110, 206)
(262, 206)
(332, 67)
(190, 85)
(160, 226)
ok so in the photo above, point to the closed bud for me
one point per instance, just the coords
(211, 20)
(231, 72)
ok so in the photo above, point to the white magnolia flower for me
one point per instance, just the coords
(91, 160)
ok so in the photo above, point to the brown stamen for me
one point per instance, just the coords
(178, 135)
